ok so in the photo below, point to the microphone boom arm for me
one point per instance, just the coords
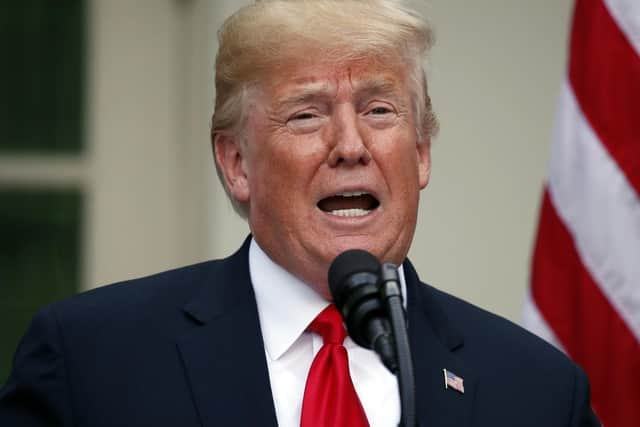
(392, 298)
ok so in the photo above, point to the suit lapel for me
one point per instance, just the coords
(223, 355)
(434, 344)
(225, 363)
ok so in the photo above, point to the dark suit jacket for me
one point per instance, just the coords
(184, 348)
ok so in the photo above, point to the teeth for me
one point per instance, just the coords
(350, 212)
(351, 193)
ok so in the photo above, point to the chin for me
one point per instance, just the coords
(384, 251)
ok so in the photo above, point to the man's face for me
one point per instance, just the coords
(331, 163)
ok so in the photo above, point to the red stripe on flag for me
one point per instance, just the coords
(604, 71)
(584, 321)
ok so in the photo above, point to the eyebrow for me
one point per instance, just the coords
(376, 85)
(308, 93)
(376, 82)
(322, 92)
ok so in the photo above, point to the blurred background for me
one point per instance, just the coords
(106, 170)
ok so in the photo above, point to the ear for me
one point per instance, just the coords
(423, 149)
(231, 162)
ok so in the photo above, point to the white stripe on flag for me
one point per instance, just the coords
(599, 208)
(534, 322)
(627, 15)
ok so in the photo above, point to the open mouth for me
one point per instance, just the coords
(349, 204)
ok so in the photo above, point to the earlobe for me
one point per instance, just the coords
(423, 149)
(231, 162)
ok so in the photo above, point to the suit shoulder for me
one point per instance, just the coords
(505, 357)
(488, 332)
(168, 290)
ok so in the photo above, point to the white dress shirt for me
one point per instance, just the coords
(286, 306)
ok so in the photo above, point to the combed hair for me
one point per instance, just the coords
(260, 38)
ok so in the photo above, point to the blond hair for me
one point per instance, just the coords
(261, 37)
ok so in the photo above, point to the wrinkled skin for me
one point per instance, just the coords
(311, 133)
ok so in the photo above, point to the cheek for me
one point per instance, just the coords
(397, 154)
(281, 173)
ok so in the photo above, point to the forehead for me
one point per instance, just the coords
(354, 76)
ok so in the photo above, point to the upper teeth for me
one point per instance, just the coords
(350, 212)
(351, 193)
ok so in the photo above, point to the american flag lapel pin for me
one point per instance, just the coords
(453, 381)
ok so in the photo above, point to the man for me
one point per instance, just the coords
(321, 134)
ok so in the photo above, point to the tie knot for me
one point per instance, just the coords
(328, 324)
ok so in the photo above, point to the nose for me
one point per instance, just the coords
(349, 148)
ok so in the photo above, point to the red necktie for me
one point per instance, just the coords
(329, 397)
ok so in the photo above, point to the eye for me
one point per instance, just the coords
(303, 116)
(380, 114)
(304, 121)
(380, 110)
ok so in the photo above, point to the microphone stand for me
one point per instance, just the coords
(392, 297)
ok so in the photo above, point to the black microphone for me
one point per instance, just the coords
(353, 280)
(392, 299)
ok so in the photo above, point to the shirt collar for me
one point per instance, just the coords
(286, 305)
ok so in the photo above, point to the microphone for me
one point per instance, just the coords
(368, 296)
(353, 281)
(392, 298)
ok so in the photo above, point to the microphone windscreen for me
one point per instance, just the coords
(348, 263)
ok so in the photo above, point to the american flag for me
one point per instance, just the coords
(585, 278)
(453, 381)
